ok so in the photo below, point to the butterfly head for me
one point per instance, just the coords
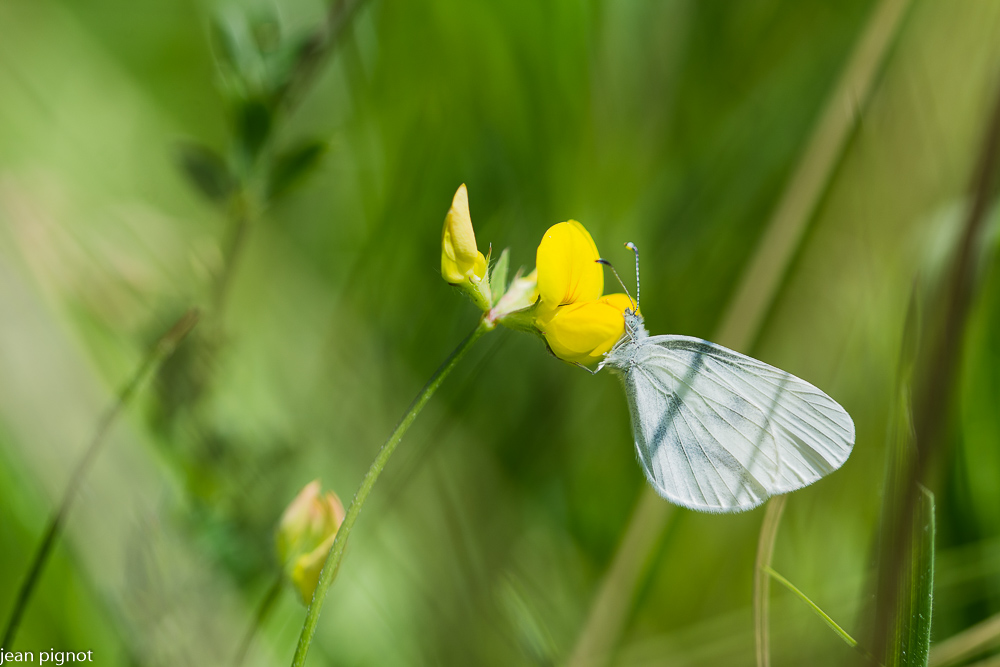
(634, 327)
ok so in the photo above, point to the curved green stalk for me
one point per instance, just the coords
(761, 582)
(336, 554)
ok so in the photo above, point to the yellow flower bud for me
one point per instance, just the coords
(306, 533)
(460, 258)
(461, 262)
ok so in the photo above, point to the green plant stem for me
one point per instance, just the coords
(239, 227)
(322, 43)
(761, 582)
(336, 555)
(163, 348)
(258, 619)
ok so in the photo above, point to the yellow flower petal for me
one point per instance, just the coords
(568, 271)
(460, 257)
(583, 332)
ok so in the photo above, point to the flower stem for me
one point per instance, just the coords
(336, 554)
(761, 580)
(164, 347)
(240, 221)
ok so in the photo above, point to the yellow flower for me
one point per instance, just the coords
(568, 271)
(578, 324)
(561, 299)
(305, 535)
(583, 332)
(461, 262)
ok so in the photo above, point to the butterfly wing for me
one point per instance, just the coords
(718, 431)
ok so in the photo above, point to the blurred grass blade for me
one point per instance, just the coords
(966, 644)
(911, 641)
(525, 622)
(788, 225)
(848, 639)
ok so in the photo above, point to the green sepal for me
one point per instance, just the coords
(478, 291)
(522, 320)
(498, 276)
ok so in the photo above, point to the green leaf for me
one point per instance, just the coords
(293, 165)
(498, 276)
(253, 126)
(912, 637)
(910, 632)
(206, 170)
(226, 41)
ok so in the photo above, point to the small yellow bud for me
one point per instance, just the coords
(461, 262)
(460, 258)
(306, 533)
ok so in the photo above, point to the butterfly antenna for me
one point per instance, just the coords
(608, 264)
(631, 246)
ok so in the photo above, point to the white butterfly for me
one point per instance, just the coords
(718, 431)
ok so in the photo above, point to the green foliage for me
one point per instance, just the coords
(498, 275)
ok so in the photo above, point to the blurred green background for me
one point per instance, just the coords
(675, 124)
